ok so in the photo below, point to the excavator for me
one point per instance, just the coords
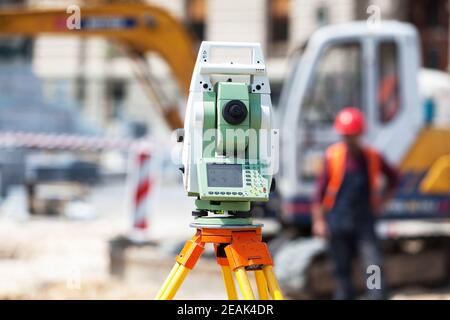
(137, 29)
(377, 70)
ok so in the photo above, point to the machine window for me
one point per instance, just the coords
(388, 82)
(337, 83)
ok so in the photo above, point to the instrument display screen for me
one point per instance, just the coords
(224, 175)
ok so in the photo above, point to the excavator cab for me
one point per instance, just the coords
(369, 67)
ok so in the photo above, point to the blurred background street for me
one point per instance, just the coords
(48, 258)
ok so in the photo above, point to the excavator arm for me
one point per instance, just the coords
(141, 28)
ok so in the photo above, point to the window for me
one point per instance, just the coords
(337, 83)
(196, 10)
(11, 48)
(279, 26)
(431, 19)
(116, 93)
(432, 12)
(322, 16)
(388, 82)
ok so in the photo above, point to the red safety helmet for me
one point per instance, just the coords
(350, 121)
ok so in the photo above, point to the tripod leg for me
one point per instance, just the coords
(272, 283)
(244, 283)
(185, 262)
(175, 283)
(167, 281)
(261, 285)
(229, 283)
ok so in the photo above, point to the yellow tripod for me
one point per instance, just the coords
(237, 250)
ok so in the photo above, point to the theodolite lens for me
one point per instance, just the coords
(234, 112)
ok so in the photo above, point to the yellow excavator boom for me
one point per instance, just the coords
(141, 27)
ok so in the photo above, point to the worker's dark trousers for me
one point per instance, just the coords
(344, 245)
(351, 225)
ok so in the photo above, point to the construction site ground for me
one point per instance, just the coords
(62, 258)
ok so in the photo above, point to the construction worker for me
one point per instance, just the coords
(348, 198)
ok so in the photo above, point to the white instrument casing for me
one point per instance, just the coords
(201, 83)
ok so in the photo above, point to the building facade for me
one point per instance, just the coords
(91, 72)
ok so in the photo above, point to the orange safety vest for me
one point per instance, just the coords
(335, 158)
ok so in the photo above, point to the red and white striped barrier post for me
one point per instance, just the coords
(142, 186)
(140, 172)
